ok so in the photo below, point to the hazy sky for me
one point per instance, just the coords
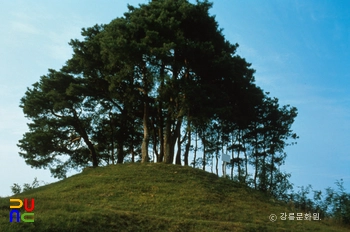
(300, 50)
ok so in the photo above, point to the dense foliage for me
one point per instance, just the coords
(162, 84)
(331, 203)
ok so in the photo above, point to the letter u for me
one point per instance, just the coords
(26, 205)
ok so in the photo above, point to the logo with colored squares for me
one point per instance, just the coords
(27, 216)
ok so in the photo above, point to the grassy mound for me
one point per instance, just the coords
(153, 197)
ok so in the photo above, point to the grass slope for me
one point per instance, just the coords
(152, 197)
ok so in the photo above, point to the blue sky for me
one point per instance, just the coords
(300, 50)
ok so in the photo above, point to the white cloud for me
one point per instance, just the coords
(24, 28)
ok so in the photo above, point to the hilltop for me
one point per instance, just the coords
(153, 197)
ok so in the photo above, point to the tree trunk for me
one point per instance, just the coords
(179, 142)
(271, 172)
(204, 152)
(160, 133)
(112, 136)
(195, 150)
(232, 162)
(161, 117)
(92, 152)
(120, 146)
(239, 164)
(132, 149)
(256, 160)
(170, 139)
(154, 134)
(91, 148)
(170, 136)
(178, 152)
(168, 159)
(188, 145)
(238, 155)
(246, 165)
(223, 166)
(81, 130)
(217, 161)
(263, 180)
(145, 141)
(120, 153)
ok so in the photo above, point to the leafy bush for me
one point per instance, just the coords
(16, 188)
(335, 204)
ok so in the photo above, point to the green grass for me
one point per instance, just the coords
(153, 197)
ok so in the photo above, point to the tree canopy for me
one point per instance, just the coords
(160, 80)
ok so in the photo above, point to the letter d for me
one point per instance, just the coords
(16, 206)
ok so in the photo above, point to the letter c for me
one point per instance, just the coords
(27, 214)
